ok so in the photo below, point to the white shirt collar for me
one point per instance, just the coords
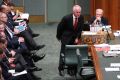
(74, 16)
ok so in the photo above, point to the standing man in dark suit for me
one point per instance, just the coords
(98, 19)
(69, 30)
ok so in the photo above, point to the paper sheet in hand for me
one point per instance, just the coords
(20, 73)
(24, 16)
(112, 69)
(11, 71)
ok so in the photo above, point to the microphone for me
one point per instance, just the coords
(98, 22)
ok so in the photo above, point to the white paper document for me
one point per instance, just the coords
(113, 52)
(115, 64)
(24, 16)
(101, 45)
(11, 71)
(116, 34)
(95, 29)
(118, 76)
(89, 33)
(115, 47)
(20, 73)
(112, 69)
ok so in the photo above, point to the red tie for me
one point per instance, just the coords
(75, 23)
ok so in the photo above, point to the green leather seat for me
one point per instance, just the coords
(70, 56)
(84, 68)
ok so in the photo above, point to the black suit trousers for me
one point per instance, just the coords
(31, 44)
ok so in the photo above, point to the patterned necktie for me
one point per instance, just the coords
(9, 31)
(75, 23)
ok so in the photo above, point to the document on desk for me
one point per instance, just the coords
(114, 52)
(112, 69)
(101, 45)
(115, 47)
(24, 16)
(116, 34)
(118, 76)
(89, 33)
(115, 64)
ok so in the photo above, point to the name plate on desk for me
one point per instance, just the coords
(92, 38)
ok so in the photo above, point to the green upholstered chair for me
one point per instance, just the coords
(70, 59)
(85, 69)
(76, 61)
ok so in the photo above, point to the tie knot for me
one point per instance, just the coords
(76, 18)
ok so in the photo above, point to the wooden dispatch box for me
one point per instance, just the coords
(91, 38)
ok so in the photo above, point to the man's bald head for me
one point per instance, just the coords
(99, 12)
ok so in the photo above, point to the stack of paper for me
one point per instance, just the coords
(24, 16)
(89, 33)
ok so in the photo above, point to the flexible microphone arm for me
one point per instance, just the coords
(108, 35)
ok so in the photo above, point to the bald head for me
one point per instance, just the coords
(76, 10)
(99, 12)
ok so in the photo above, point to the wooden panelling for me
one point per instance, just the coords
(111, 11)
(86, 17)
(36, 19)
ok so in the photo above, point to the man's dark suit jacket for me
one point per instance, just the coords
(104, 21)
(65, 30)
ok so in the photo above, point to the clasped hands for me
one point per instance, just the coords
(97, 19)
(12, 59)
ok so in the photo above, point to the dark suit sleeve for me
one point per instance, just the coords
(80, 28)
(91, 20)
(60, 29)
(104, 21)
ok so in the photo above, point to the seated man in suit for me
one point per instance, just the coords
(69, 30)
(5, 2)
(19, 46)
(30, 43)
(15, 61)
(98, 19)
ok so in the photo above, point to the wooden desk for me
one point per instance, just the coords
(99, 75)
(100, 62)
(92, 38)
